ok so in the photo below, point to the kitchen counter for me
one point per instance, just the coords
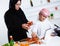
(54, 41)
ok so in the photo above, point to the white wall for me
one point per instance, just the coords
(3, 29)
(30, 12)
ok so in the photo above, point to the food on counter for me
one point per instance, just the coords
(16, 43)
(24, 44)
(27, 41)
(11, 42)
(34, 40)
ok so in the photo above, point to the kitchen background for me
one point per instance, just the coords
(31, 9)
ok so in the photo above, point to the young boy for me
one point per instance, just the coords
(41, 26)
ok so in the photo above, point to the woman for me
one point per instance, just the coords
(16, 21)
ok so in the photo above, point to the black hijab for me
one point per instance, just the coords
(12, 3)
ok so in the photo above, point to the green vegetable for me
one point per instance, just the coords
(11, 43)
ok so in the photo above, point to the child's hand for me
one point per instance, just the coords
(43, 38)
(39, 42)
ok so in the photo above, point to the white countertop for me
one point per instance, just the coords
(54, 41)
(49, 40)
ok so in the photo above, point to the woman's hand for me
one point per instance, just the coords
(25, 26)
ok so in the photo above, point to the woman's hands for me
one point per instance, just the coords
(27, 25)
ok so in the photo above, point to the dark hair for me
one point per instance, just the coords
(12, 3)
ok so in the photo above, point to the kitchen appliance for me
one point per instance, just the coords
(57, 29)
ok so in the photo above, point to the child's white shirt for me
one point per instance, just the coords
(40, 28)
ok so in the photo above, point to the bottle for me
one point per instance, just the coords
(11, 41)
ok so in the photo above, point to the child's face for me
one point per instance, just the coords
(42, 18)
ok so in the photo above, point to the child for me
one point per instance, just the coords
(41, 26)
